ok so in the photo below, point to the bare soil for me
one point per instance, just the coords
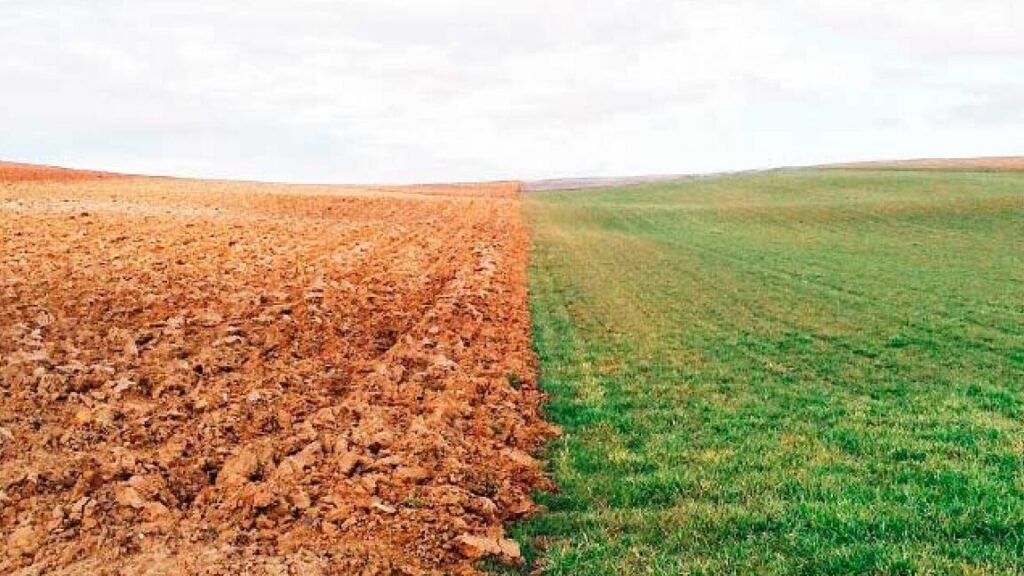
(994, 164)
(15, 172)
(226, 378)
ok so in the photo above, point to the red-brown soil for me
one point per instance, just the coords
(226, 378)
(15, 172)
(994, 164)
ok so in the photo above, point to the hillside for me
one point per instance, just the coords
(990, 164)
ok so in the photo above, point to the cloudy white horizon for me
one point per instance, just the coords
(443, 90)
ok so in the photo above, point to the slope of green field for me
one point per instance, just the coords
(796, 372)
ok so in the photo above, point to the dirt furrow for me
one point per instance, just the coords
(225, 378)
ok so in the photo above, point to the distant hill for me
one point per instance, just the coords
(588, 183)
(993, 164)
(20, 172)
(17, 172)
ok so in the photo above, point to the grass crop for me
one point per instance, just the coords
(796, 372)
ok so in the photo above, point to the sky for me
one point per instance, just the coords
(391, 91)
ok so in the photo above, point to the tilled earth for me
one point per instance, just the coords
(225, 378)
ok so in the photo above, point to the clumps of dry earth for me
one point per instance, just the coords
(225, 378)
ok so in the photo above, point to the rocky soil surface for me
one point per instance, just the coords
(225, 378)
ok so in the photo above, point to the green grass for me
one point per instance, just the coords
(795, 372)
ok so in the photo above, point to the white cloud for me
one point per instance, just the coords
(374, 90)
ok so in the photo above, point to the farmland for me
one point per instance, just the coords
(814, 371)
(796, 372)
(225, 378)
(990, 164)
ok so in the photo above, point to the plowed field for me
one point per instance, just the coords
(227, 378)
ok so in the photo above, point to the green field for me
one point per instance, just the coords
(796, 372)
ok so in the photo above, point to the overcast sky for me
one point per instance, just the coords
(442, 90)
